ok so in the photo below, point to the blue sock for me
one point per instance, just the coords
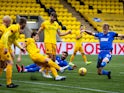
(103, 64)
(104, 72)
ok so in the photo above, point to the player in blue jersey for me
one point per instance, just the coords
(61, 61)
(29, 68)
(105, 39)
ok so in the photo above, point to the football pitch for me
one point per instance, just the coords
(91, 83)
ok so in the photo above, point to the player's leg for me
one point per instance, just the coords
(55, 74)
(84, 56)
(34, 69)
(48, 50)
(103, 59)
(1, 70)
(54, 52)
(56, 66)
(9, 71)
(72, 57)
(18, 68)
(29, 68)
(45, 71)
(103, 64)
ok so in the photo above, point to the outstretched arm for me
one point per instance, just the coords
(63, 33)
(120, 35)
(88, 32)
(40, 30)
(42, 27)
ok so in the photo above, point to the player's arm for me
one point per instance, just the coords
(16, 43)
(19, 57)
(20, 47)
(120, 35)
(78, 37)
(88, 32)
(63, 33)
(41, 29)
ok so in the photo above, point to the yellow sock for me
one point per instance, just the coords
(85, 58)
(1, 70)
(72, 58)
(9, 74)
(53, 64)
(54, 72)
(47, 70)
(42, 69)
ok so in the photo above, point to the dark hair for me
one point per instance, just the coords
(106, 25)
(53, 14)
(33, 34)
(22, 20)
(65, 52)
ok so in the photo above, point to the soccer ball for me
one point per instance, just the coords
(82, 71)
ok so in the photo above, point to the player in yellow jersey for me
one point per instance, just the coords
(8, 38)
(5, 25)
(41, 60)
(51, 29)
(78, 47)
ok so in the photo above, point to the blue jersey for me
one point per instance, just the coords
(34, 67)
(62, 63)
(106, 40)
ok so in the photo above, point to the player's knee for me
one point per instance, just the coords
(103, 64)
(82, 53)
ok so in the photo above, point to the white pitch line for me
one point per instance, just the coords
(121, 72)
(72, 87)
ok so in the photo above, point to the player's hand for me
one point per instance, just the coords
(18, 59)
(69, 32)
(77, 38)
(5, 51)
(82, 31)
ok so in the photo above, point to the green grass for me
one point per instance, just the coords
(91, 83)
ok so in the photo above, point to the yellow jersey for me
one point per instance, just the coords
(31, 46)
(10, 36)
(21, 38)
(3, 28)
(79, 41)
(50, 31)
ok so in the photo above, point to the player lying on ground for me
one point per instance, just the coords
(34, 67)
(39, 59)
(105, 39)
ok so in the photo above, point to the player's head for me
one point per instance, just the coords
(22, 22)
(35, 36)
(7, 20)
(53, 16)
(105, 28)
(64, 55)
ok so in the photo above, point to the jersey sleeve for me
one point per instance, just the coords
(114, 34)
(14, 28)
(97, 34)
(43, 25)
(17, 44)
